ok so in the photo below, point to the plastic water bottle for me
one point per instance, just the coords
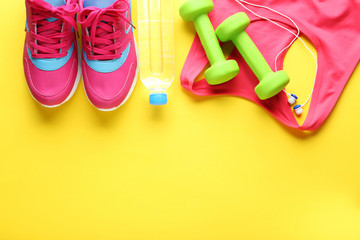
(156, 47)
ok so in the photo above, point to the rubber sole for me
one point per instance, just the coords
(77, 81)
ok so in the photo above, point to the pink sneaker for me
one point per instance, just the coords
(109, 62)
(51, 64)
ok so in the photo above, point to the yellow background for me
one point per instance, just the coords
(197, 169)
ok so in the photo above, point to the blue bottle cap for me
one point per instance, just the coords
(158, 99)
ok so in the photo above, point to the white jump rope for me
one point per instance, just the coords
(291, 97)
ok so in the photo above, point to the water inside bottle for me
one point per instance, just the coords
(156, 44)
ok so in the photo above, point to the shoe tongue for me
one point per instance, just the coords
(98, 3)
(56, 3)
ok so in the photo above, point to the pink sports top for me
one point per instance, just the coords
(333, 26)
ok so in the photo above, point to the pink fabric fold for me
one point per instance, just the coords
(332, 26)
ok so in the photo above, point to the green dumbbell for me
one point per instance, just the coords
(221, 70)
(233, 29)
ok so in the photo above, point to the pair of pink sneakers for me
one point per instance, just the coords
(53, 61)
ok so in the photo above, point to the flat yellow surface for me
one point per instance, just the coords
(197, 169)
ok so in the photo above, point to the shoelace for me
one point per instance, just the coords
(50, 39)
(104, 41)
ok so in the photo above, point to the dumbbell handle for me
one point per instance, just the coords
(208, 39)
(252, 55)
